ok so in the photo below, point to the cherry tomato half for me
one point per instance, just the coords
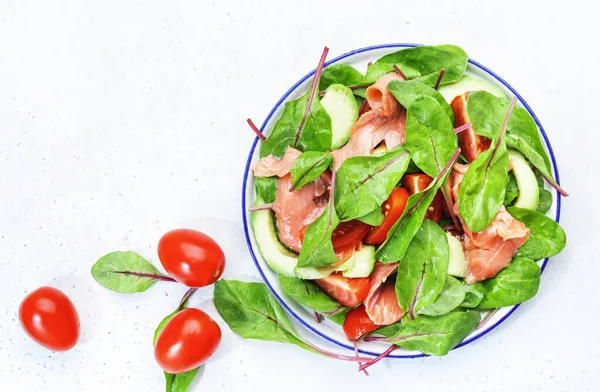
(49, 318)
(346, 291)
(392, 210)
(358, 323)
(186, 341)
(191, 257)
(346, 238)
(418, 182)
(470, 143)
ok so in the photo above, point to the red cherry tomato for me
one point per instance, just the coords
(186, 341)
(48, 316)
(346, 291)
(418, 182)
(191, 257)
(358, 323)
(346, 238)
(470, 143)
(392, 210)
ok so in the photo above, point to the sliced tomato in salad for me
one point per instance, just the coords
(346, 291)
(392, 209)
(346, 238)
(418, 182)
(358, 323)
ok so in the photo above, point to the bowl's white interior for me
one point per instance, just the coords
(327, 329)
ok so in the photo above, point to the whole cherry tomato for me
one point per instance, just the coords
(186, 341)
(358, 323)
(49, 318)
(191, 257)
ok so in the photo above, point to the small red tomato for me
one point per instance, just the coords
(186, 341)
(346, 291)
(191, 257)
(48, 316)
(358, 323)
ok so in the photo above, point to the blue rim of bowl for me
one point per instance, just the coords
(247, 171)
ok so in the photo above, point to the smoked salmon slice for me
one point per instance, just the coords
(270, 166)
(379, 98)
(381, 303)
(470, 143)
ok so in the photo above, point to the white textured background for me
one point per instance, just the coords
(120, 120)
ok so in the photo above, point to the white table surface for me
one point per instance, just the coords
(120, 120)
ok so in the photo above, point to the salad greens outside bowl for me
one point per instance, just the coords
(326, 329)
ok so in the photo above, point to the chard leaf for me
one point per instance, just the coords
(422, 61)
(373, 218)
(435, 335)
(429, 136)
(315, 134)
(423, 269)
(340, 74)
(451, 296)
(266, 188)
(365, 182)
(407, 91)
(547, 237)
(317, 248)
(473, 295)
(310, 295)
(308, 167)
(405, 228)
(126, 272)
(513, 285)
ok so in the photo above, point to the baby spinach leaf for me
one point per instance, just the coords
(429, 136)
(481, 192)
(266, 188)
(545, 198)
(253, 313)
(473, 295)
(405, 228)
(407, 91)
(422, 61)
(310, 295)
(423, 269)
(126, 272)
(436, 335)
(308, 167)
(512, 189)
(373, 218)
(513, 285)
(365, 182)
(547, 237)
(315, 134)
(451, 296)
(339, 74)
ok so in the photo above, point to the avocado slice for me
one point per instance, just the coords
(456, 265)
(466, 84)
(341, 106)
(529, 192)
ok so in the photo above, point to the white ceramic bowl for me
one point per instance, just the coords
(327, 329)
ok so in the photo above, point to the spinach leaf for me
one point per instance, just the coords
(429, 136)
(473, 295)
(512, 189)
(316, 131)
(481, 192)
(365, 182)
(339, 74)
(547, 237)
(450, 298)
(253, 313)
(317, 248)
(422, 61)
(435, 335)
(514, 284)
(407, 91)
(175, 382)
(126, 272)
(545, 198)
(405, 228)
(266, 188)
(423, 269)
(308, 167)
(310, 295)
(373, 218)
